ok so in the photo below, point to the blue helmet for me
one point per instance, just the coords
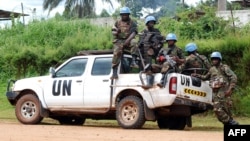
(124, 10)
(150, 18)
(171, 36)
(190, 47)
(216, 54)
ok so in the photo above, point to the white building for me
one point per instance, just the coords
(241, 17)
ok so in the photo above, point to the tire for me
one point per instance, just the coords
(130, 113)
(163, 123)
(71, 120)
(28, 110)
(172, 123)
(177, 123)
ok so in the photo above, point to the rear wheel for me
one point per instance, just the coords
(163, 123)
(28, 110)
(130, 113)
(172, 123)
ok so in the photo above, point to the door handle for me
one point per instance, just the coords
(105, 80)
(78, 81)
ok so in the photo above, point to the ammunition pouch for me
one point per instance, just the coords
(147, 37)
(217, 83)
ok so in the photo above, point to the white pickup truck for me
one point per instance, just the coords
(81, 88)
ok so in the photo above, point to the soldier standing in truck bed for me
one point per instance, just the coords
(150, 42)
(124, 32)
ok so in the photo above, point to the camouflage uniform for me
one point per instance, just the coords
(171, 51)
(221, 78)
(125, 28)
(196, 61)
(150, 42)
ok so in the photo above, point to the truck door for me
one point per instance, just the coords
(65, 89)
(97, 90)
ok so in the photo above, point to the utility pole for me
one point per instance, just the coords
(222, 5)
(22, 14)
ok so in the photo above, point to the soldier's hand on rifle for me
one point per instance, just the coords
(126, 43)
(161, 58)
(175, 58)
(114, 30)
(196, 75)
(228, 92)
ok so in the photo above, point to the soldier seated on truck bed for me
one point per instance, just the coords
(170, 58)
(195, 63)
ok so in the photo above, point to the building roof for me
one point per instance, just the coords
(6, 15)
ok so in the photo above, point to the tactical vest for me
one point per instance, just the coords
(124, 29)
(152, 42)
(218, 77)
(174, 51)
(193, 61)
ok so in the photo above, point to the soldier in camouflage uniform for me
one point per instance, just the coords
(124, 32)
(175, 53)
(222, 81)
(195, 63)
(150, 42)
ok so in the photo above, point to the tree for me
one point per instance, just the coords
(104, 13)
(137, 6)
(74, 8)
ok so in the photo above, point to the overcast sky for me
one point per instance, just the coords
(29, 5)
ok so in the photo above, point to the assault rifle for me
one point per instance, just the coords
(170, 60)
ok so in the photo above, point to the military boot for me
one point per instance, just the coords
(133, 63)
(114, 75)
(232, 122)
(162, 81)
(150, 82)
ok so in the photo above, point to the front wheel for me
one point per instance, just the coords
(28, 110)
(130, 113)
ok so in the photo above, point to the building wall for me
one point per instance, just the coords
(242, 17)
(107, 21)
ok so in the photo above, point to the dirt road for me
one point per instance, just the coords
(14, 131)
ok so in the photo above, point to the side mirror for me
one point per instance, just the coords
(52, 71)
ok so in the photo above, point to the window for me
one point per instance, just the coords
(75, 67)
(102, 66)
(125, 65)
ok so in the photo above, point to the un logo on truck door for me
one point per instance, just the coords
(64, 85)
(185, 81)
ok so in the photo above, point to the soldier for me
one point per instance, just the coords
(197, 63)
(124, 32)
(175, 60)
(222, 81)
(150, 42)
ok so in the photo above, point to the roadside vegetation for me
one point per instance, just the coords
(30, 50)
